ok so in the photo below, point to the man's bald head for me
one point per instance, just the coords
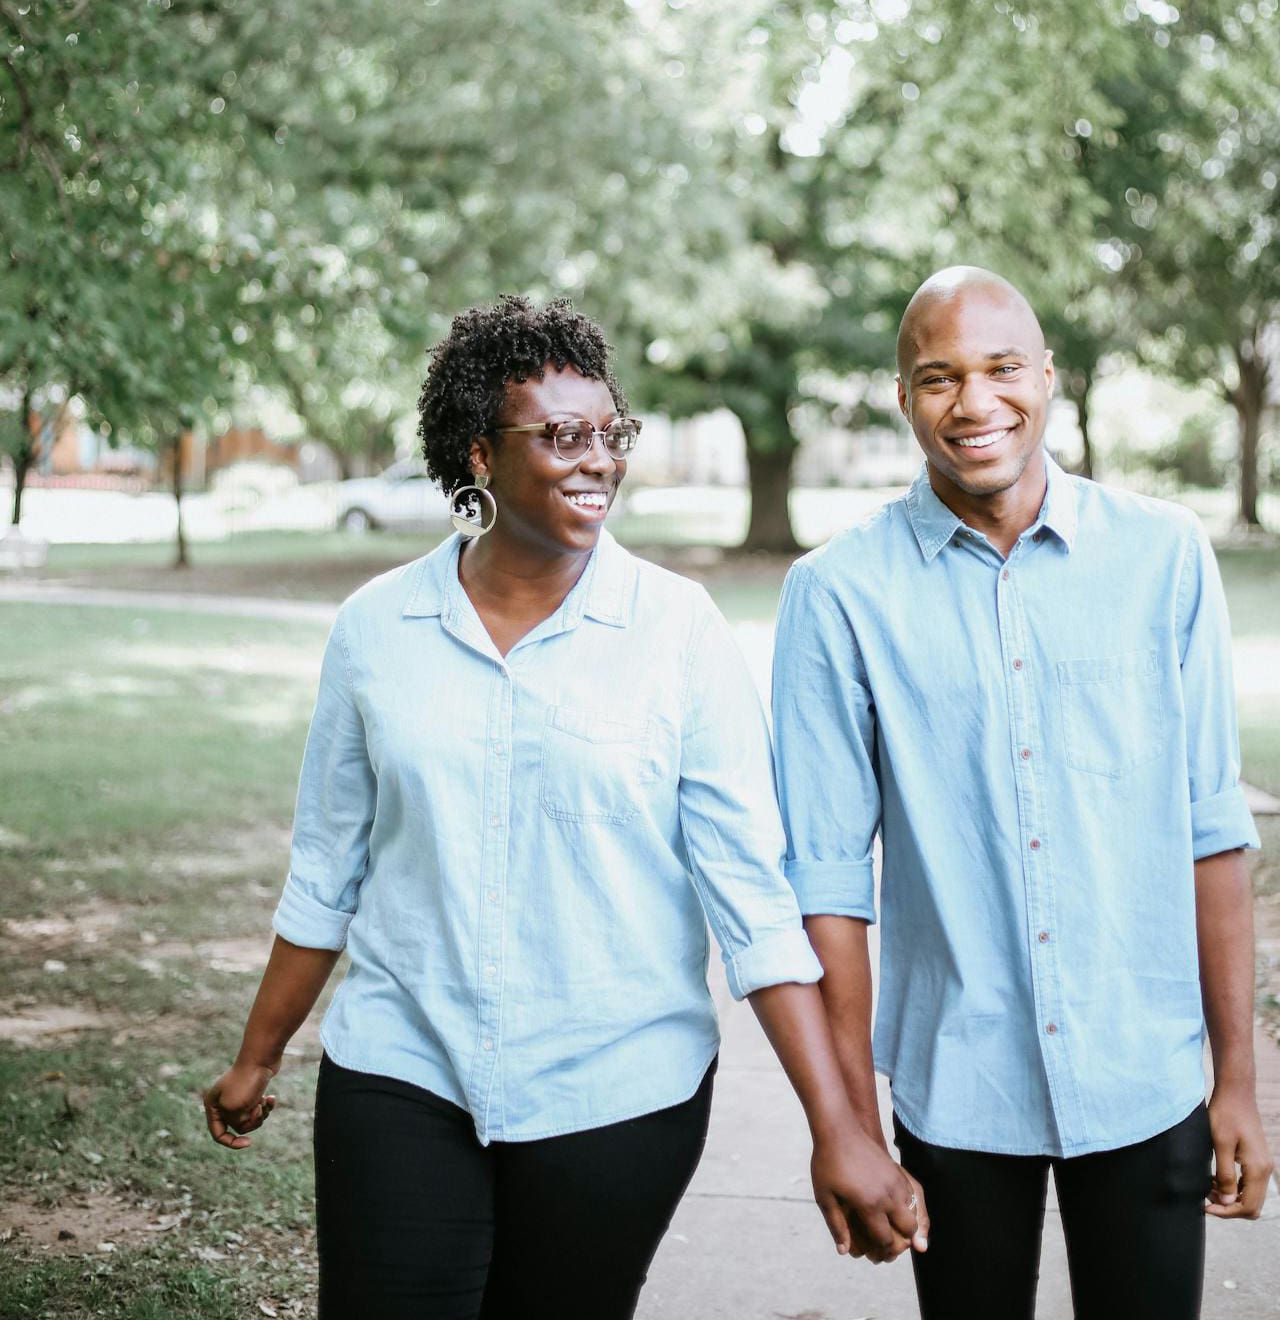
(947, 286)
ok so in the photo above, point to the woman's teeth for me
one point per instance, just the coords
(591, 500)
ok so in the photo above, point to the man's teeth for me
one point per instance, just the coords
(588, 500)
(980, 441)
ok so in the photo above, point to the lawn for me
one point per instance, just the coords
(150, 764)
(151, 760)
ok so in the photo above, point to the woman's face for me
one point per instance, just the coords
(543, 501)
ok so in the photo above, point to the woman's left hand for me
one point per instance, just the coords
(873, 1207)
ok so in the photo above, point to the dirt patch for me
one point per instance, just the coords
(11, 840)
(89, 925)
(264, 846)
(92, 1224)
(43, 1024)
(248, 954)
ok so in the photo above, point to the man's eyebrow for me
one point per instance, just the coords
(937, 365)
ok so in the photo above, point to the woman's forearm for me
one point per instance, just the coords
(291, 984)
(796, 1024)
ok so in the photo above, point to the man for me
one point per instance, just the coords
(1023, 681)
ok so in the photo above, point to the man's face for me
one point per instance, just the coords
(976, 389)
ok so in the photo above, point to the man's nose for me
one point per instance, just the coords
(974, 399)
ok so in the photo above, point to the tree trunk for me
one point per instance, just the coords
(769, 472)
(1248, 397)
(180, 557)
(1082, 420)
(24, 458)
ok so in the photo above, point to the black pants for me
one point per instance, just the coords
(416, 1219)
(1133, 1220)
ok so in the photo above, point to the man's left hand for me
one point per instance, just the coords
(1242, 1164)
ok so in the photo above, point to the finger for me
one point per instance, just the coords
(837, 1224)
(1253, 1192)
(886, 1242)
(920, 1238)
(1226, 1179)
(902, 1214)
(223, 1135)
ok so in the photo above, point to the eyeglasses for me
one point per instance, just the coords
(573, 440)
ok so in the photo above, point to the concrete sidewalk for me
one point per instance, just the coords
(748, 1243)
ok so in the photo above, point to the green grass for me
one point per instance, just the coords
(151, 762)
(245, 548)
(1251, 576)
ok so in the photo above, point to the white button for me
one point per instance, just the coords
(487, 1043)
(495, 821)
(492, 895)
(491, 970)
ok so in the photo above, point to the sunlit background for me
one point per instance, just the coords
(229, 232)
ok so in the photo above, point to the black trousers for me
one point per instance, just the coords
(416, 1219)
(1133, 1220)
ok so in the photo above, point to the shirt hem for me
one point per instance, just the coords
(1168, 1118)
(485, 1136)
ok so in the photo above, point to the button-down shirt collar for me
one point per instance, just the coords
(934, 524)
(605, 592)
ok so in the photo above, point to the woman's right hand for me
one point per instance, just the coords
(237, 1103)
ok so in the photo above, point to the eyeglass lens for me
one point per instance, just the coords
(573, 439)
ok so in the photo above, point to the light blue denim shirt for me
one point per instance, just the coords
(1045, 744)
(518, 853)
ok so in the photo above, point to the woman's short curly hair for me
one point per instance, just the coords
(485, 348)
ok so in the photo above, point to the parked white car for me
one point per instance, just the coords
(403, 498)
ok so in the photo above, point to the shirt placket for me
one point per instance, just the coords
(1026, 747)
(495, 826)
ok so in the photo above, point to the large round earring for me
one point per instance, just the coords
(473, 510)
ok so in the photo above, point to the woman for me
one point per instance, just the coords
(535, 764)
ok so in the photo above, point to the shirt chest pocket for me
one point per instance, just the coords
(595, 765)
(1112, 712)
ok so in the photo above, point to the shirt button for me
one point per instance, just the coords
(492, 968)
(492, 895)
(1051, 1028)
(1035, 845)
(1017, 664)
(1005, 575)
(487, 1043)
(1038, 536)
(495, 821)
(1043, 937)
(1026, 753)
(499, 749)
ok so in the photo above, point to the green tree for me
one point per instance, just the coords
(1213, 297)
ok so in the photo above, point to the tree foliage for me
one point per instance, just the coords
(214, 192)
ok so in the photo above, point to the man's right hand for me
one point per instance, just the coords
(873, 1207)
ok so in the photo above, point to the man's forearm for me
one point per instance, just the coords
(841, 946)
(1224, 931)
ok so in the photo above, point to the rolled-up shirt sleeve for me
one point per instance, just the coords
(1220, 817)
(824, 734)
(729, 818)
(337, 793)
